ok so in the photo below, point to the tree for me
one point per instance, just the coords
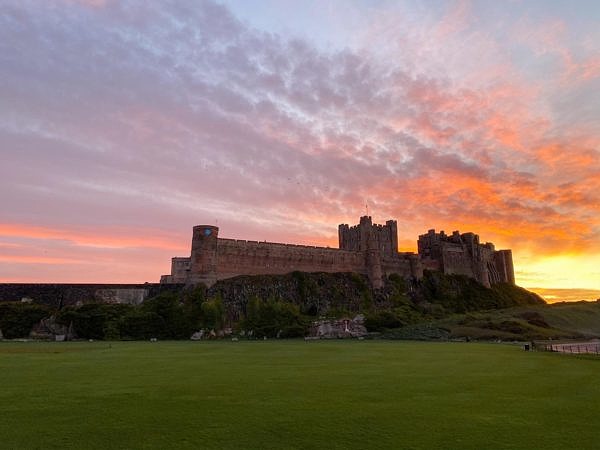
(17, 319)
(95, 320)
(212, 313)
(273, 318)
(176, 323)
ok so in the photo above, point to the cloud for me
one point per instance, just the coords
(567, 295)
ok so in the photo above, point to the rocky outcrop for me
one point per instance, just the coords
(316, 294)
(48, 328)
(339, 328)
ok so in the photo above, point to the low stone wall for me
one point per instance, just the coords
(57, 295)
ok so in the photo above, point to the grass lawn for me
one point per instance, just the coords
(295, 394)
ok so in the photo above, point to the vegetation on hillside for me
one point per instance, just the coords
(460, 294)
(17, 319)
(436, 307)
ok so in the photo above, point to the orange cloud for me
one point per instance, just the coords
(32, 259)
(109, 239)
(566, 295)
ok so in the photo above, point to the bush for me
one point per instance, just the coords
(192, 304)
(273, 318)
(512, 295)
(17, 319)
(176, 324)
(141, 325)
(382, 320)
(212, 314)
(95, 320)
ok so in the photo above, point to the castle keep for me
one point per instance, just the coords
(462, 254)
(367, 248)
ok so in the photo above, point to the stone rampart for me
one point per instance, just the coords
(368, 249)
(238, 257)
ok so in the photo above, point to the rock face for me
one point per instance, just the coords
(316, 294)
(339, 328)
(197, 336)
(347, 294)
(49, 329)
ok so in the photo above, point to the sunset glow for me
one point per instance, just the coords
(123, 124)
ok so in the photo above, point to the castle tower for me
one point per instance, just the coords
(504, 264)
(374, 270)
(203, 259)
(366, 233)
(370, 245)
(392, 227)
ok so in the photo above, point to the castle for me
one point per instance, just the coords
(367, 248)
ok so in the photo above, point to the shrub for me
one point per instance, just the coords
(382, 320)
(139, 324)
(212, 313)
(17, 319)
(273, 318)
(176, 324)
(95, 320)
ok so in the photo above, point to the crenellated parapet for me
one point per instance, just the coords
(366, 248)
(357, 237)
(463, 254)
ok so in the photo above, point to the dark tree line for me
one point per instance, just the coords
(166, 316)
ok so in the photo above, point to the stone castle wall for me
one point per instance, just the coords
(237, 257)
(367, 248)
(463, 254)
(357, 237)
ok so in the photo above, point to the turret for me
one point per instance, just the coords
(203, 259)
(372, 253)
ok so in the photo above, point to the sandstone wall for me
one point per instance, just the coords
(504, 264)
(357, 238)
(239, 257)
(367, 248)
(407, 265)
(456, 261)
(463, 254)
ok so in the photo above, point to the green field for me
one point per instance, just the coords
(295, 394)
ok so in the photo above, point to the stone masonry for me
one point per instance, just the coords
(463, 254)
(367, 248)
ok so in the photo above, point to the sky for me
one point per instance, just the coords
(125, 123)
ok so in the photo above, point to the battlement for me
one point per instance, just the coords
(366, 248)
(243, 242)
(367, 235)
(464, 254)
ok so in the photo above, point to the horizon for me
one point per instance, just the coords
(123, 124)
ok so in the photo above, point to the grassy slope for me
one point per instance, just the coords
(295, 395)
(583, 317)
(557, 321)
